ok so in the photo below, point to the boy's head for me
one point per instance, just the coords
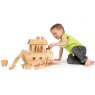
(57, 30)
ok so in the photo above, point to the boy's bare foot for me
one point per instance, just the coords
(89, 62)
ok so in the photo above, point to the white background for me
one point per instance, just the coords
(21, 20)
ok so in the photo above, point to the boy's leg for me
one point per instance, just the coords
(73, 60)
(80, 52)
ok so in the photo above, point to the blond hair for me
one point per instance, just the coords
(57, 26)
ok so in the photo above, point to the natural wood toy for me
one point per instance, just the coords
(37, 56)
(4, 62)
(16, 60)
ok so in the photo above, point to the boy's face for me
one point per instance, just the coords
(57, 33)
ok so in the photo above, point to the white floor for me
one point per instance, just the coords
(62, 79)
(21, 20)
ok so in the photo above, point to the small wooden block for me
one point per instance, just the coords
(4, 62)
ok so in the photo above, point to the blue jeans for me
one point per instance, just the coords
(79, 56)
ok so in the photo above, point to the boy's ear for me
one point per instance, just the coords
(62, 31)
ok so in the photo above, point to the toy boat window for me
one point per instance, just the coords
(40, 58)
(33, 58)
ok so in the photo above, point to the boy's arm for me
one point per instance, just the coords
(60, 54)
(62, 43)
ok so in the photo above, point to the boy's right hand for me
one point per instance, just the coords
(51, 45)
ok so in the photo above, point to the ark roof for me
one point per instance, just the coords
(38, 41)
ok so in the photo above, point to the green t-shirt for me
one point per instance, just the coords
(71, 42)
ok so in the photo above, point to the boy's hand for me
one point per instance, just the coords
(50, 45)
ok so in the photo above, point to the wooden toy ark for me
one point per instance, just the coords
(37, 56)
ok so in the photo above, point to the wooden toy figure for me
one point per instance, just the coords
(37, 56)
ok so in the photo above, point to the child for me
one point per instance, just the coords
(76, 49)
